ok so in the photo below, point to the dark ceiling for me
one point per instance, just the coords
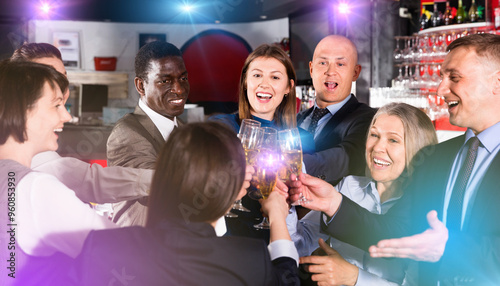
(155, 11)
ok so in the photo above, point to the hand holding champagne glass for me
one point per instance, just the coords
(250, 134)
(291, 150)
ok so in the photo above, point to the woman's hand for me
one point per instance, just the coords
(331, 269)
(275, 206)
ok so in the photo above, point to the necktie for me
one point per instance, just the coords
(318, 113)
(454, 215)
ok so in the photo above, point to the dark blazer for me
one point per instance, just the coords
(134, 142)
(472, 256)
(179, 254)
(340, 147)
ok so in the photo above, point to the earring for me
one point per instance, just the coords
(286, 94)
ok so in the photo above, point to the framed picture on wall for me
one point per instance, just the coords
(69, 45)
(148, 38)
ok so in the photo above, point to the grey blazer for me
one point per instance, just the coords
(134, 142)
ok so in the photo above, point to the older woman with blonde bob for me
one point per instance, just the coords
(397, 132)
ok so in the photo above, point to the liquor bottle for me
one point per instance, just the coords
(461, 15)
(435, 18)
(473, 16)
(447, 17)
(497, 16)
(424, 20)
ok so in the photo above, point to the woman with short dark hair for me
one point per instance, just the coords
(50, 222)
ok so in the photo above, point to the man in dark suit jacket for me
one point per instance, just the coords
(137, 138)
(459, 241)
(340, 134)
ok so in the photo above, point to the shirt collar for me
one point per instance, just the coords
(369, 186)
(333, 108)
(162, 123)
(489, 137)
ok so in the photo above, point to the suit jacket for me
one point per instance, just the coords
(471, 255)
(340, 147)
(176, 253)
(134, 142)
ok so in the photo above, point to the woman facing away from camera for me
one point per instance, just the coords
(50, 223)
(201, 171)
(397, 132)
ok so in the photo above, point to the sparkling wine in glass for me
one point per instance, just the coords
(250, 134)
(267, 164)
(291, 150)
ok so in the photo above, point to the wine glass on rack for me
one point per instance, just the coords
(397, 53)
(249, 134)
(267, 164)
(291, 151)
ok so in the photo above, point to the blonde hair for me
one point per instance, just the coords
(419, 132)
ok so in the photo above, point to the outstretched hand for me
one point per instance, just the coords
(426, 246)
(331, 269)
(322, 196)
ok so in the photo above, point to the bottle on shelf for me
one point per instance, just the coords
(424, 19)
(447, 17)
(436, 17)
(461, 16)
(497, 16)
(473, 16)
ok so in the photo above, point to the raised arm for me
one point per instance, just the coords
(93, 183)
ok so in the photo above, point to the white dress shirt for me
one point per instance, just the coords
(162, 123)
(51, 218)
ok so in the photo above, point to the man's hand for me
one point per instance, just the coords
(321, 195)
(332, 269)
(427, 246)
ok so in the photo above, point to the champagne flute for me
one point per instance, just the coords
(291, 150)
(250, 134)
(267, 164)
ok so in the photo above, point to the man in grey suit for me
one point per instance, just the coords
(337, 120)
(136, 140)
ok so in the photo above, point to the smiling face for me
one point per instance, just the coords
(46, 119)
(166, 88)
(267, 83)
(333, 69)
(470, 88)
(385, 149)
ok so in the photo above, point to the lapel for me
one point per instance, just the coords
(149, 127)
(348, 107)
(301, 116)
(487, 198)
(324, 139)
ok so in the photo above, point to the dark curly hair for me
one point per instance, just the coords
(153, 51)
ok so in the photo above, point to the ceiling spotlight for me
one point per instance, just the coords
(344, 8)
(187, 8)
(45, 8)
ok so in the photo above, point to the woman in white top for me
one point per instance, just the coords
(397, 132)
(48, 222)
